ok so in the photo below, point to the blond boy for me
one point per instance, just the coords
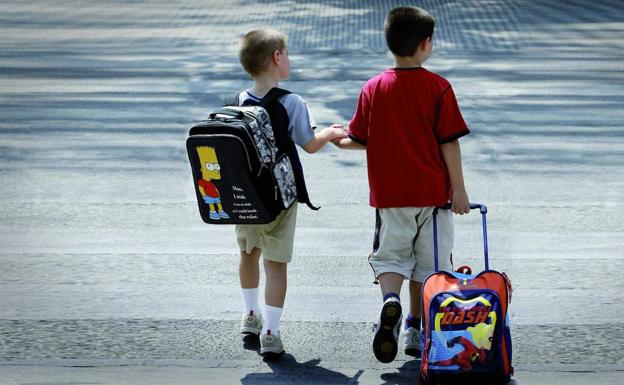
(264, 56)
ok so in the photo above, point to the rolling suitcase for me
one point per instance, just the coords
(465, 335)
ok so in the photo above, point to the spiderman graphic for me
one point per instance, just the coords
(474, 352)
(465, 358)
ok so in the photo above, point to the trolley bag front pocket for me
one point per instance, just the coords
(462, 329)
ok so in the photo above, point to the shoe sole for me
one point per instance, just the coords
(385, 345)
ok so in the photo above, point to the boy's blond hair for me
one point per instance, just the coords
(257, 47)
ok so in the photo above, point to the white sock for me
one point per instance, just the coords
(250, 300)
(271, 318)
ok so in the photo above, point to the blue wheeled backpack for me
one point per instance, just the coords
(465, 326)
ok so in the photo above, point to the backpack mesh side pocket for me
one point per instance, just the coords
(285, 180)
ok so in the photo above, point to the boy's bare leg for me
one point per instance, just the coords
(249, 270)
(415, 289)
(390, 283)
(274, 296)
(249, 274)
(276, 282)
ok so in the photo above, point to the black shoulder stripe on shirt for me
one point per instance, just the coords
(357, 140)
(453, 137)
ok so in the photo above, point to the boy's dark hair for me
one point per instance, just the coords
(405, 28)
(257, 47)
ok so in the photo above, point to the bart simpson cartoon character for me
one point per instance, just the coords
(211, 170)
(473, 351)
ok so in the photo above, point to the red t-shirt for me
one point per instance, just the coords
(209, 188)
(403, 116)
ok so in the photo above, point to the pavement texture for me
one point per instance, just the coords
(108, 275)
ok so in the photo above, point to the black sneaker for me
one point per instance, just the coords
(385, 342)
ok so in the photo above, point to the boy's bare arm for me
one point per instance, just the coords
(451, 154)
(333, 132)
(348, 144)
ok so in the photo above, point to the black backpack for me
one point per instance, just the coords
(246, 169)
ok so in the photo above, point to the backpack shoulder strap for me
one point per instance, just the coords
(302, 192)
(231, 100)
(273, 94)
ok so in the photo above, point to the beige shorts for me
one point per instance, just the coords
(404, 242)
(275, 239)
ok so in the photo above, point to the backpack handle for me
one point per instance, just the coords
(483, 209)
(227, 112)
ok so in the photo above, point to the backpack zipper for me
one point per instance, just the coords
(259, 123)
(262, 164)
(251, 139)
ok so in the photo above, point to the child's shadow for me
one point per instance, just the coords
(251, 342)
(288, 371)
(407, 374)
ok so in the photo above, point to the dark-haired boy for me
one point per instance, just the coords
(408, 120)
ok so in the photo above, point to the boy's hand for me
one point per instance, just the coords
(460, 203)
(335, 131)
(327, 134)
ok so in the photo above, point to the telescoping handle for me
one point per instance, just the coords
(483, 209)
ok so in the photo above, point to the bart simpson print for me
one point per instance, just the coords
(211, 170)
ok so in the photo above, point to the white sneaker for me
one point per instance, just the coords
(412, 342)
(271, 345)
(251, 324)
(387, 329)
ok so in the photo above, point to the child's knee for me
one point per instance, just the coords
(254, 254)
(275, 267)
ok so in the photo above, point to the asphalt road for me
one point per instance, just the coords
(109, 276)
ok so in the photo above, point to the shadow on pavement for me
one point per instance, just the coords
(251, 342)
(408, 374)
(289, 371)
